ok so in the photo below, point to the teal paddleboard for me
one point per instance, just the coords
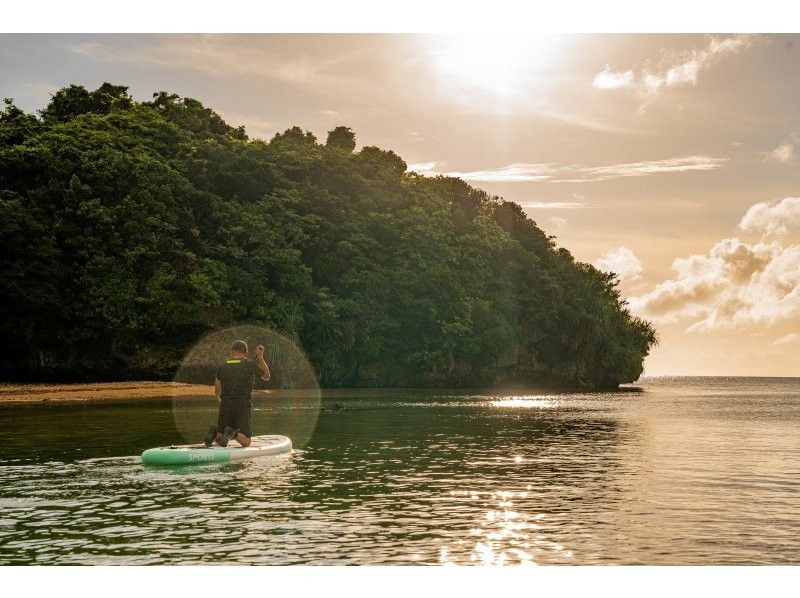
(261, 446)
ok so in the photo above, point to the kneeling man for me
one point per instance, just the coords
(234, 386)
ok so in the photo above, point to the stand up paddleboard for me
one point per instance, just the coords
(198, 454)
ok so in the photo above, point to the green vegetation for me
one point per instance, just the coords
(129, 229)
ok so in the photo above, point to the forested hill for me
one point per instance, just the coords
(129, 229)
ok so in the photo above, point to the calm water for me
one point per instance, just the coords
(681, 470)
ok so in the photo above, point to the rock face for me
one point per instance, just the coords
(132, 229)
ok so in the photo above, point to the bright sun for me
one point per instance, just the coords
(499, 64)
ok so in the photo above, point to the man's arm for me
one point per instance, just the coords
(218, 389)
(262, 365)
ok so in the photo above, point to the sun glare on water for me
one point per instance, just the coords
(526, 402)
(499, 64)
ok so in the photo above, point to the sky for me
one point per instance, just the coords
(672, 160)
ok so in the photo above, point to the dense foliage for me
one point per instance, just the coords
(129, 229)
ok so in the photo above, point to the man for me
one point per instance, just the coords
(233, 387)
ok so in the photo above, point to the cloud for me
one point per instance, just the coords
(621, 261)
(424, 168)
(775, 218)
(786, 151)
(782, 153)
(513, 173)
(736, 283)
(608, 79)
(304, 65)
(553, 173)
(215, 55)
(558, 222)
(601, 173)
(550, 205)
(681, 70)
(789, 339)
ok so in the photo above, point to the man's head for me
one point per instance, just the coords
(238, 349)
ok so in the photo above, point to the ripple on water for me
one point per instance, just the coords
(666, 474)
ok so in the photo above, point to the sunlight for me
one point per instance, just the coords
(526, 402)
(499, 64)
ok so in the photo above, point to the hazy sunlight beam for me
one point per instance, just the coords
(499, 64)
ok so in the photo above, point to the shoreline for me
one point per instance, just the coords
(92, 392)
(15, 394)
(143, 391)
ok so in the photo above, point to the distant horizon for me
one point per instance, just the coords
(671, 160)
(645, 375)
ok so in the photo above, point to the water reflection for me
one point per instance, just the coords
(526, 402)
(415, 478)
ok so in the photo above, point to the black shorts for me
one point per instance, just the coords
(236, 414)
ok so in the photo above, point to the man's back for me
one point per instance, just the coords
(236, 376)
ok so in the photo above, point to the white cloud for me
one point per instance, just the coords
(550, 205)
(736, 283)
(513, 173)
(622, 261)
(424, 168)
(608, 79)
(558, 222)
(774, 218)
(789, 339)
(782, 153)
(786, 151)
(613, 171)
(684, 69)
(554, 173)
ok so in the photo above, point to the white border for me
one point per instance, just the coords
(401, 16)
(405, 582)
(398, 16)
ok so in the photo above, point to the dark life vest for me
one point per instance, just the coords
(237, 377)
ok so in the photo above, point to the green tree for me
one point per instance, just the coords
(130, 229)
(341, 138)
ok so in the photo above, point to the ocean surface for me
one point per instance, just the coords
(666, 471)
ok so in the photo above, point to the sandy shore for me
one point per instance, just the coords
(98, 392)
